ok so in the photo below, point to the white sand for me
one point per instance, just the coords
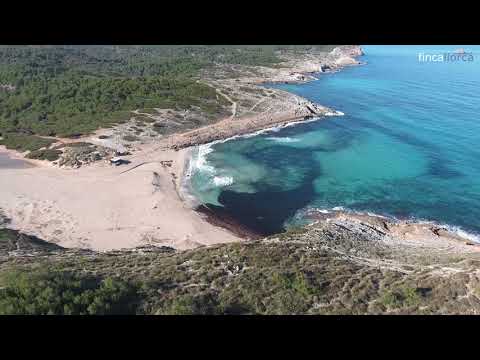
(102, 208)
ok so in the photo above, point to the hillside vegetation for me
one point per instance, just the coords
(73, 90)
(317, 270)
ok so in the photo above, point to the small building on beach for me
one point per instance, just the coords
(118, 161)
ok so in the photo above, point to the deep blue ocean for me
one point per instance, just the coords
(408, 146)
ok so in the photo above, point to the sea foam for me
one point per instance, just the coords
(283, 139)
(221, 181)
(199, 163)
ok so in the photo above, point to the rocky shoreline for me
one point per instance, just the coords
(420, 234)
(226, 129)
(272, 108)
(336, 60)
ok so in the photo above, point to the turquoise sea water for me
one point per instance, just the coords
(408, 147)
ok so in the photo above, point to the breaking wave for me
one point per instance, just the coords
(223, 180)
(283, 139)
(198, 163)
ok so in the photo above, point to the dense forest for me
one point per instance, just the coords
(73, 90)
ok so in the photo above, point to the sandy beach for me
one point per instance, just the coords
(104, 207)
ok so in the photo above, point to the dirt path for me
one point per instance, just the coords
(257, 103)
(218, 91)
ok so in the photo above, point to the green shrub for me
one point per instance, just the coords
(23, 142)
(44, 154)
(130, 138)
(159, 128)
(403, 296)
(204, 304)
(63, 293)
(78, 144)
(147, 111)
(144, 119)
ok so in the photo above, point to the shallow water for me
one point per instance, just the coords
(8, 163)
(407, 147)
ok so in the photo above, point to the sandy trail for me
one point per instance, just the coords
(101, 208)
(221, 93)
